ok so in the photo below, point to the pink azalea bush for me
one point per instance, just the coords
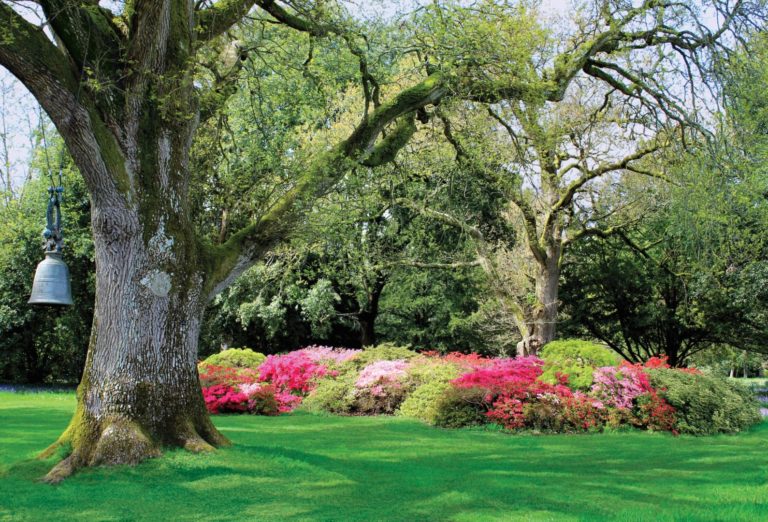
(221, 398)
(382, 373)
(502, 374)
(620, 386)
(381, 386)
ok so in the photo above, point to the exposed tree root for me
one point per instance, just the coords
(121, 441)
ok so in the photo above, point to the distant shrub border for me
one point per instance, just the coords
(458, 390)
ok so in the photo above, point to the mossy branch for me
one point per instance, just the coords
(27, 52)
(294, 21)
(87, 32)
(218, 18)
(226, 261)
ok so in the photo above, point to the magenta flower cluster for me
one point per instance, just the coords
(292, 372)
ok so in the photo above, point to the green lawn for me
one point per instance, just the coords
(304, 467)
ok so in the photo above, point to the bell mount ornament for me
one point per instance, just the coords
(51, 284)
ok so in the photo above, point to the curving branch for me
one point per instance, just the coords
(227, 261)
(88, 34)
(601, 170)
(215, 20)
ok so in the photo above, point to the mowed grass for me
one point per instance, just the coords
(305, 467)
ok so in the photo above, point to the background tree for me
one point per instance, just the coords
(691, 274)
(628, 104)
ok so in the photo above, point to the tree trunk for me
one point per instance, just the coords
(140, 389)
(543, 320)
(367, 316)
(544, 317)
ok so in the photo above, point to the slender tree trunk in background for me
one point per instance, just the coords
(546, 249)
(543, 321)
(367, 317)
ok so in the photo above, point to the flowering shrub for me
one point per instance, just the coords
(211, 375)
(502, 374)
(327, 354)
(464, 360)
(382, 373)
(508, 407)
(618, 387)
(654, 413)
(221, 398)
(508, 411)
(661, 362)
(581, 412)
(292, 372)
(381, 386)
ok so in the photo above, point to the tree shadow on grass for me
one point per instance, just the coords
(318, 468)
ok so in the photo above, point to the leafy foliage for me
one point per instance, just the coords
(575, 358)
(236, 358)
(705, 404)
(424, 403)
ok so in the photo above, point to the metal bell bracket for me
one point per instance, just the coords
(54, 230)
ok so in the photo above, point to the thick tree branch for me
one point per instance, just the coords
(218, 18)
(285, 17)
(227, 261)
(27, 52)
(87, 33)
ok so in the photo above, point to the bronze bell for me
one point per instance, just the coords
(51, 284)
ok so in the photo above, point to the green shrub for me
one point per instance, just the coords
(705, 404)
(461, 407)
(577, 359)
(431, 379)
(424, 402)
(368, 403)
(382, 352)
(333, 395)
(236, 358)
(425, 370)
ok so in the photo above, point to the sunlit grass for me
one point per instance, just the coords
(307, 467)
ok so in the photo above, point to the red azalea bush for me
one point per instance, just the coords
(502, 374)
(221, 398)
(293, 372)
(211, 375)
(654, 413)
